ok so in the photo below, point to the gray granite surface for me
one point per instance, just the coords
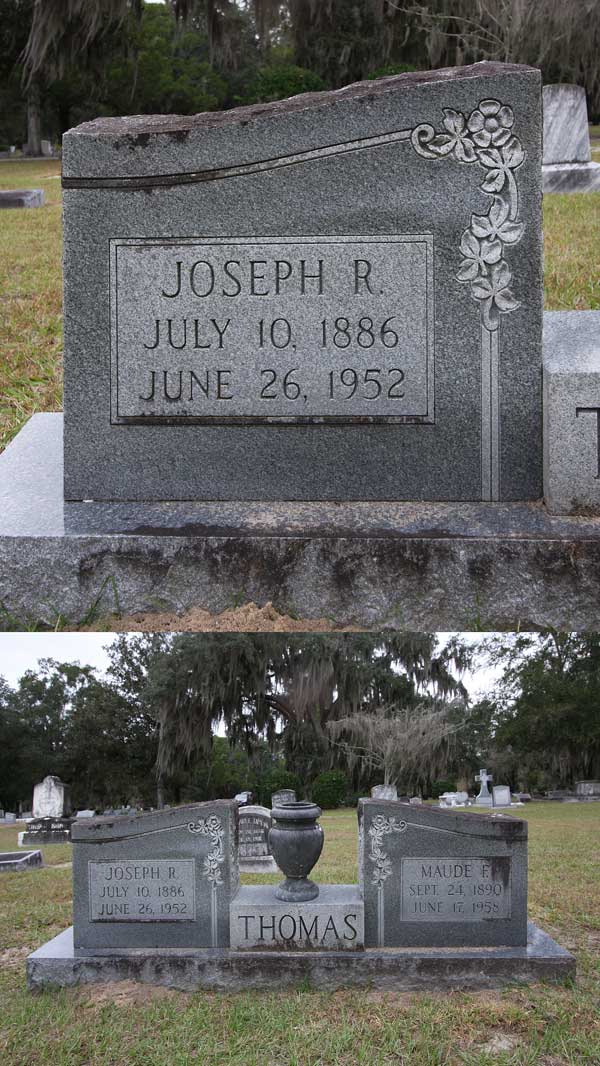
(572, 413)
(55, 965)
(334, 921)
(433, 877)
(566, 132)
(385, 187)
(414, 566)
(158, 879)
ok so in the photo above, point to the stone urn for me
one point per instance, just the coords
(296, 841)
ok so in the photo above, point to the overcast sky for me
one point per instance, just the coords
(22, 651)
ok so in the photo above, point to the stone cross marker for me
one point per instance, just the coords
(484, 797)
(441, 877)
(350, 281)
(158, 879)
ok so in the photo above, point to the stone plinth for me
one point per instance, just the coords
(55, 965)
(334, 921)
(43, 831)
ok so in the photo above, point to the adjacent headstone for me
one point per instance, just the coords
(386, 792)
(454, 799)
(243, 798)
(567, 165)
(483, 798)
(51, 798)
(85, 814)
(438, 877)
(334, 921)
(587, 789)
(47, 149)
(44, 831)
(572, 412)
(415, 801)
(254, 852)
(501, 796)
(285, 795)
(10, 816)
(21, 198)
(18, 860)
(159, 879)
(350, 280)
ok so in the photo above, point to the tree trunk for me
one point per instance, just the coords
(34, 120)
(160, 794)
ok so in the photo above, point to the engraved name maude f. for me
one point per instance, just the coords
(268, 329)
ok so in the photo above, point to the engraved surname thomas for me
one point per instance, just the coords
(266, 329)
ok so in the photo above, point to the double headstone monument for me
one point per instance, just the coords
(51, 823)
(441, 901)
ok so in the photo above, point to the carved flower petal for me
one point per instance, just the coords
(483, 139)
(511, 232)
(469, 245)
(491, 251)
(505, 300)
(468, 270)
(465, 150)
(489, 107)
(475, 122)
(501, 275)
(491, 158)
(500, 137)
(494, 181)
(506, 116)
(480, 225)
(454, 121)
(481, 289)
(498, 211)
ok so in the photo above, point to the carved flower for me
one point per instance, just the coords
(494, 293)
(497, 225)
(499, 163)
(477, 256)
(456, 140)
(491, 123)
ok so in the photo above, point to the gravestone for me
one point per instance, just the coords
(51, 798)
(10, 816)
(567, 159)
(454, 799)
(571, 387)
(501, 796)
(337, 279)
(587, 789)
(17, 860)
(44, 831)
(483, 798)
(85, 814)
(254, 852)
(387, 792)
(435, 877)
(21, 198)
(158, 879)
(285, 795)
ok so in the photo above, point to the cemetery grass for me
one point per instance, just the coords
(119, 1025)
(31, 284)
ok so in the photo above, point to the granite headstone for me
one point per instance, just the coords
(501, 796)
(434, 877)
(567, 160)
(158, 879)
(284, 795)
(254, 852)
(51, 798)
(333, 297)
(384, 792)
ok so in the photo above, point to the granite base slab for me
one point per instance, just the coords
(394, 969)
(14, 860)
(571, 177)
(21, 198)
(397, 565)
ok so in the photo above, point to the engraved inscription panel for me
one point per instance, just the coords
(455, 890)
(267, 329)
(145, 890)
(253, 836)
